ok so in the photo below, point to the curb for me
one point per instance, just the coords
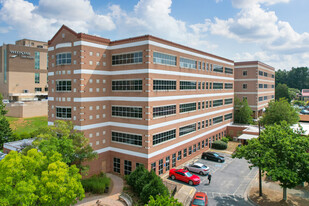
(246, 195)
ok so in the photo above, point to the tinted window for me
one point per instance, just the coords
(198, 202)
(188, 174)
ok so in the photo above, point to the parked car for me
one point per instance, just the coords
(197, 168)
(304, 111)
(212, 156)
(5, 101)
(185, 176)
(199, 199)
(2, 156)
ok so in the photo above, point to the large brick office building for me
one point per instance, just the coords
(255, 81)
(142, 100)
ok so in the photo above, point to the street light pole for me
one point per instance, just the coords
(260, 172)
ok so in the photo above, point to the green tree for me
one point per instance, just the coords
(278, 111)
(163, 200)
(293, 93)
(242, 112)
(153, 188)
(282, 91)
(71, 144)
(5, 130)
(35, 179)
(133, 178)
(281, 77)
(281, 152)
(298, 78)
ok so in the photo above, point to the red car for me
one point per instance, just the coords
(185, 176)
(200, 199)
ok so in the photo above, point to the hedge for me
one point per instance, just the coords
(219, 145)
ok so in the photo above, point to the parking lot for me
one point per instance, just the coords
(229, 181)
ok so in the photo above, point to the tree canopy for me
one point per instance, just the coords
(282, 91)
(35, 179)
(281, 152)
(278, 111)
(71, 144)
(242, 112)
(5, 130)
(146, 184)
(163, 200)
(295, 78)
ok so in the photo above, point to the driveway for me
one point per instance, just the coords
(229, 181)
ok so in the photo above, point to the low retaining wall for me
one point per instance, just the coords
(27, 109)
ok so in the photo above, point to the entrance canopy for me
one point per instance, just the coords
(247, 136)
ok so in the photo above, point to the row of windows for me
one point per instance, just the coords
(187, 63)
(171, 134)
(160, 58)
(187, 85)
(136, 112)
(265, 74)
(129, 58)
(127, 85)
(63, 59)
(187, 129)
(129, 112)
(63, 85)
(36, 78)
(187, 107)
(166, 59)
(164, 85)
(127, 166)
(164, 111)
(218, 102)
(63, 112)
(266, 86)
(263, 98)
(164, 136)
(133, 139)
(36, 60)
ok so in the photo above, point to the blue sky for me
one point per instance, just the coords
(271, 31)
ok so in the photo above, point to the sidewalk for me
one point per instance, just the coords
(110, 199)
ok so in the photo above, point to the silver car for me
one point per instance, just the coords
(198, 168)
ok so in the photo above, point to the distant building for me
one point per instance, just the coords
(23, 70)
(255, 81)
(305, 95)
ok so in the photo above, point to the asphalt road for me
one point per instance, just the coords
(228, 183)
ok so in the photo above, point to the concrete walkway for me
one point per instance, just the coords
(110, 199)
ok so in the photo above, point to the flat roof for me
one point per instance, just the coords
(247, 136)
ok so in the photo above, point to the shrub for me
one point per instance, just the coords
(225, 139)
(145, 184)
(96, 184)
(153, 188)
(219, 145)
(132, 179)
(229, 137)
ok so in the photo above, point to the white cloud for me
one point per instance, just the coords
(249, 3)
(253, 24)
(42, 21)
(154, 17)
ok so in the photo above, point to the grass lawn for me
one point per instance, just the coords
(21, 125)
